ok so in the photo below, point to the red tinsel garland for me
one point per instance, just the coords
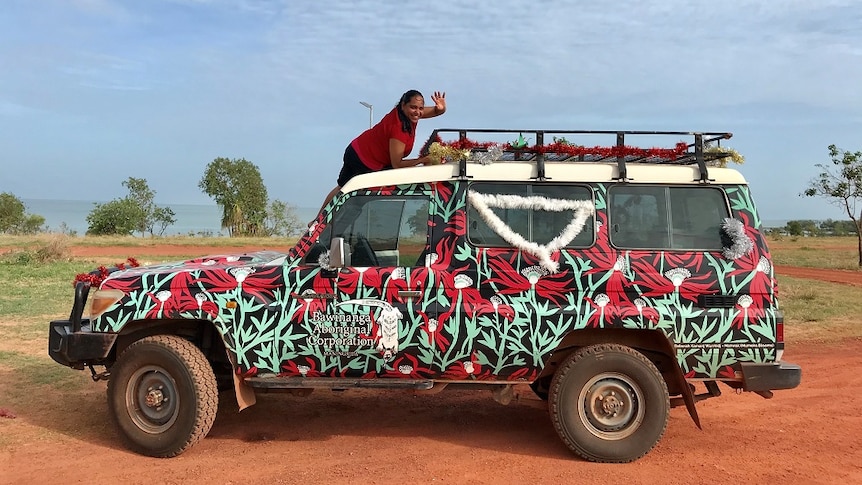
(574, 150)
(95, 278)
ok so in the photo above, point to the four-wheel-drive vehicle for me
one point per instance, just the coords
(611, 279)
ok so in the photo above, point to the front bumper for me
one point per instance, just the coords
(71, 343)
(78, 348)
(770, 377)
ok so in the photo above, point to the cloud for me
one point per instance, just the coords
(165, 86)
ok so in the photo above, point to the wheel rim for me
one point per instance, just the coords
(611, 406)
(152, 400)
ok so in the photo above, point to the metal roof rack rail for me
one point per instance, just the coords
(564, 150)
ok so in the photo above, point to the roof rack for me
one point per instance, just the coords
(565, 150)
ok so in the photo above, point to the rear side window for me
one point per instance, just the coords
(651, 217)
(534, 224)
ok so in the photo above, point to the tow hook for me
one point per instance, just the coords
(99, 376)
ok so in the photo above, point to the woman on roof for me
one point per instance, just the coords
(387, 144)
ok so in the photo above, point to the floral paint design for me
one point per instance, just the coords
(471, 313)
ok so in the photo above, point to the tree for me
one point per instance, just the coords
(162, 217)
(152, 216)
(14, 218)
(142, 196)
(237, 187)
(418, 222)
(841, 185)
(281, 219)
(805, 227)
(118, 217)
(794, 228)
(836, 228)
(136, 212)
(11, 211)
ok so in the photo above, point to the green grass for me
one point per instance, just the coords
(36, 289)
(816, 310)
(816, 301)
(815, 252)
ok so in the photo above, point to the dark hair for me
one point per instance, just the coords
(406, 125)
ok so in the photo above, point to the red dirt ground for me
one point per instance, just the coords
(808, 435)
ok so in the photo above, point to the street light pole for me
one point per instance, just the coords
(370, 112)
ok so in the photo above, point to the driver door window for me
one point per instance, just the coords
(380, 231)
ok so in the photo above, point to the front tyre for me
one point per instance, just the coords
(609, 403)
(162, 395)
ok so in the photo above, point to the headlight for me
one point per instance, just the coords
(101, 300)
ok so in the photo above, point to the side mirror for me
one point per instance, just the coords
(339, 253)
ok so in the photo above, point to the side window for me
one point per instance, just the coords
(638, 216)
(480, 233)
(381, 231)
(697, 214)
(533, 224)
(654, 217)
(549, 224)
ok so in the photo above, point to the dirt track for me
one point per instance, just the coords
(807, 435)
(842, 276)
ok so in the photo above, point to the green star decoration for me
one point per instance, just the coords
(520, 142)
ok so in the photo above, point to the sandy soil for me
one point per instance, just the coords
(807, 435)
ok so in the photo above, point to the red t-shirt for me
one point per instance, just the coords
(372, 146)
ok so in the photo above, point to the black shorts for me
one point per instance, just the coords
(352, 167)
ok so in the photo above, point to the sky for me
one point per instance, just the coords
(95, 91)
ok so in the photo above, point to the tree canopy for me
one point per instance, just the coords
(14, 218)
(136, 212)
(840, 183)
(281, 219)
(237, 187)
(117, 217)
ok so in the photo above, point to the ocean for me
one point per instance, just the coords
(192, 219)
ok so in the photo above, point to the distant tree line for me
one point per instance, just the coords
(808, 227)
(235, 185)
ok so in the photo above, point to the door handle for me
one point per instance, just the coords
(409, 293)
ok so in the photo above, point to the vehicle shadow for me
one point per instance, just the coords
(77, 408)
(459, 417)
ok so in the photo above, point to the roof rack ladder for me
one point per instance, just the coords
(698, 155)
(621, 159)
(540, 157)
(462, 164)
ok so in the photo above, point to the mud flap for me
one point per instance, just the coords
(245, 396)
(687, 396)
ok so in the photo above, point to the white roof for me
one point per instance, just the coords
(558, 172)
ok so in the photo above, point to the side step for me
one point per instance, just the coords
(336, 383)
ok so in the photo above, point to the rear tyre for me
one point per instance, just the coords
(162, 395)
(609, 403)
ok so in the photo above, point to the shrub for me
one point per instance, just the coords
(14, 219)
(51, 250)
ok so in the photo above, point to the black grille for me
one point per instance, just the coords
(717, 301)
